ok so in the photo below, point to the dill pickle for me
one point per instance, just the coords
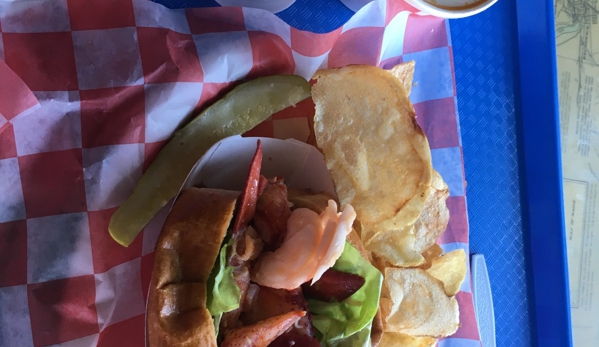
(240, 110)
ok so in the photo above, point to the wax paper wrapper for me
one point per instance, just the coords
(89, 93)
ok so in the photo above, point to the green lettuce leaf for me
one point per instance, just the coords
(216, 320)
(223, 293)
(348, 323)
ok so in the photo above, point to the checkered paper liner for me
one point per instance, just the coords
(89, 93)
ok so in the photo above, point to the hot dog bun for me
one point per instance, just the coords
(184, 257)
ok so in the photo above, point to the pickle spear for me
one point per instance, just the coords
(237, 112)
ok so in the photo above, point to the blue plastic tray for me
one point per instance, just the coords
(504, 61)
(507, 99)
(541, 155)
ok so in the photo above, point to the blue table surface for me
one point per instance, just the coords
(486, 61)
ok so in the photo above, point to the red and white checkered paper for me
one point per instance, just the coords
(90, 90)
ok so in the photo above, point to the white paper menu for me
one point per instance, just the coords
(577, 38)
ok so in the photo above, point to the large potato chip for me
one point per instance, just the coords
(404, 72)
(414, 303)
(378, 156)
(450, 269)
(391, 339)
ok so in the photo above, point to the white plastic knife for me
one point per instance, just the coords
(483, 300)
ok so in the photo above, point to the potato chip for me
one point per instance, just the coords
(404, 72)
(405, 248)
(450, 269)
(431, 253)
(414, 303)
(378, 156)
(434, 217)
(391, 339)
(396, 248)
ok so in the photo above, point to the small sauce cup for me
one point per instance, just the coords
(451, 8)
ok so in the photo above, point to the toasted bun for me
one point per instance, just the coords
(184, 257)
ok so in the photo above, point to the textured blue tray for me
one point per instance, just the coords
(485, 60)
(541, 158)
(504, 62)
(507, 99)
(486, 63)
